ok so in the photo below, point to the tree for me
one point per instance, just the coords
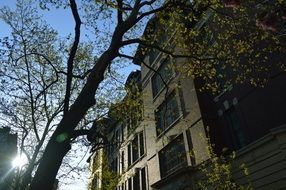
(27, 79)
(126, 20)
(217, 171)
(32, 83)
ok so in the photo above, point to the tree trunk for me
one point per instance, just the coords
(26, 179)
(56, 150)
(51, 161)
(59, 144)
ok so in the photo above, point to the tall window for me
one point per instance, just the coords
(129, 154)
(166, 73)
(95, 182)
(136, 148)
(143, 179)
(122, 132)
(167, 113)
(130, 184)
(138, 181)
(172, 157)
(237, 135)
(114, 165)
(153, 53)
(122, 162)
(132, 124)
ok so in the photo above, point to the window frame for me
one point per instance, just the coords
(141, 153)
(172, 96)
(164, 64)
(142, 182)
(172, 146)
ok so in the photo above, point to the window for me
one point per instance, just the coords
(129, 154)
(143, 179)
(121, 186)
(130, 184)
(95, 183)
(160, 35)
(166, 73)
(122, 161)
(138, 181)
(167, 113)
(136, 148)
(132, 124)
(237, 135)
(141, 141)
(117, 138)
(172, 157)
(114, 165)
(122, 132)
(153, 53)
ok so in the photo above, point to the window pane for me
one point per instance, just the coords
(141, 139)
(153, 53)
(122, 161)
(122, 133)
(129, 155)
(236, 131)
(172, 157)
(167, 113)
(135, 151)
(166, 73)
(136, 182)
(129, 184)
(143, 179)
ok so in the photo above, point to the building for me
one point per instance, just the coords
(8, 151)
(125, 146)
(158, 153)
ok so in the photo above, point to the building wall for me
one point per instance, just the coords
(256, 113)
(256, 109)
(189, 123)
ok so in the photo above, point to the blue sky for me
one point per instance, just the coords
(62, 21)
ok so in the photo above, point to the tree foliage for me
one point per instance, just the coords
(217, 172)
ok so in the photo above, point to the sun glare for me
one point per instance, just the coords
(19, 161)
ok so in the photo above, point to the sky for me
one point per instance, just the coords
(62, 21)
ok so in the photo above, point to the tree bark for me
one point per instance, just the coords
(47, 172)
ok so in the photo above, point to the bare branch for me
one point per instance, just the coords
(30, 91)
(73, 51)
(172, 54)
(119, 11)
(147, 3)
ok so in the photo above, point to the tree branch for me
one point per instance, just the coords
(146, 44)
(119, 11)
(147, 3)
(73, 51)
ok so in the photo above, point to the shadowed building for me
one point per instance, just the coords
(156, 154)
(8, 151)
